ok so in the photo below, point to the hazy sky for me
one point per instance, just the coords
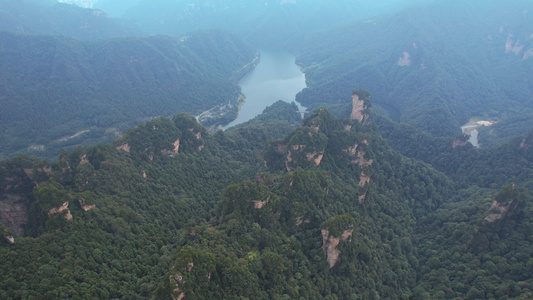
(118, 8)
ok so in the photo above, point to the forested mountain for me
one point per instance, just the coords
(325, 210)
(51, 17)
(438, 65)
(368, 197)
(435, 63)
(57, 91)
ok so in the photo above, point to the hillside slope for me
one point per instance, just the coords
(58, 91)
(436, 65)
(51, 17)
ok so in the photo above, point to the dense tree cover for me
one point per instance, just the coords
(270, 209)
(223, 217)
(114, 249)
(491, 168)
(469, 257)
(438, 64)
(59, 92)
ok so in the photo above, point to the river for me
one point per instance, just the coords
(276, 77)
(472, 131)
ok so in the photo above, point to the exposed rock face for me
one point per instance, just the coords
(499, 211)
(506, 204)
(362, 198)
(358, 110)
(84, 206)
(364, 180)
(298, 147)
(62, 208)
(16, 193)
(10, 239)
(173, 152)
(123, 147)
(83, 159)
(528, 53)
(330, 244)
(524, 145)
(258, 204)
(176, 145)
(351, 150)
(198, 135)
(405, 60)
(13, 212)
(512, 46)
(300, 220)
(315, 157)
(460, 141)
(321, 135)
(361, 160)
(177, 279)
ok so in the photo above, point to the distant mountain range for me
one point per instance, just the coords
(51, 17)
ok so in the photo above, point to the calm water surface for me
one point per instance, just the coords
(276, 77)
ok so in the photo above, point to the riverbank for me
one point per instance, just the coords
(471, 129)
(276, 77)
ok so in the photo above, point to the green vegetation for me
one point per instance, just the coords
(51, 17)
(277, 207)
(212, 220)
(59, 92)
(455, 67)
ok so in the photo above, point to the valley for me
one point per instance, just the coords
(276, 77)
(158, 149)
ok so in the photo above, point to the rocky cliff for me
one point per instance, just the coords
(330, 243)
(18, 177)
(360, 106)
(506, 204)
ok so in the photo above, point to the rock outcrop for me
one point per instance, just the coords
(360, 107)
(14, 213)
(405, 60)
(330, 243)
(461, 140)
(507, 205)
(258, 204)
(60, 209)
(19, 177)
(504, 205)
(300, 220)
(85, 207)
(10, 239)
(526, 145)
(124, 147)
